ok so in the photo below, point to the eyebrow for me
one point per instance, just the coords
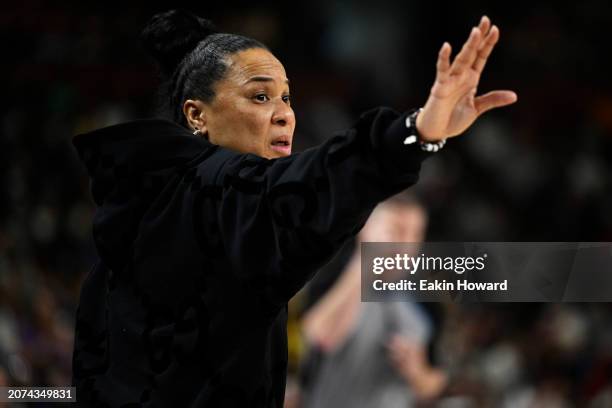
(263, 78)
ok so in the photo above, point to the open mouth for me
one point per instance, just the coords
(281, 146)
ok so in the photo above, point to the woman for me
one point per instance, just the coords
(204, 237)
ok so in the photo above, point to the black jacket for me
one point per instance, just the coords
(201, 248)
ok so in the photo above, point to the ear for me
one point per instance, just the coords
(195, 115)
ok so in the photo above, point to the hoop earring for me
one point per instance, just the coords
(197, 132)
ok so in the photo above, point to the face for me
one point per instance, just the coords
(393, 222)
(251, 111)
(396, 222)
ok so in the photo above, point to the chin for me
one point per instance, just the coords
(278, 155)
(277, 152)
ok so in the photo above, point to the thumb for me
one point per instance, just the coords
(494, 99)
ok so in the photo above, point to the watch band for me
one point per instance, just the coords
(415, 137)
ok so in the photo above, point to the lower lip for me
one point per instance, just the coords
(286, 150)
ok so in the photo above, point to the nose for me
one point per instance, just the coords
(283, 115)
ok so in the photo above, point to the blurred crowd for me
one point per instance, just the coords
(537, 171)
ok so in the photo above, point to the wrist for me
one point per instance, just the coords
(422, 135)
(419, 126)
(428, 145)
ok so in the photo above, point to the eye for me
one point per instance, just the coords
(287, 99)
(261, 98)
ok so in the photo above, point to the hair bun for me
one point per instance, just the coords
(170, 36)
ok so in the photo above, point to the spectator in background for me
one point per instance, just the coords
(370, 354)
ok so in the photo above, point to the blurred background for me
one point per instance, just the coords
(540, 170)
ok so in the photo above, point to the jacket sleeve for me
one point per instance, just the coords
(280, 220)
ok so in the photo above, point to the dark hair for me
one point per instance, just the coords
(191, 57)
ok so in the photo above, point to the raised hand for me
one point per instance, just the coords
(452, 105)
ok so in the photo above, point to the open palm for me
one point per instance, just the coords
(452, 105)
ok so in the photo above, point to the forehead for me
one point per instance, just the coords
(254, 62)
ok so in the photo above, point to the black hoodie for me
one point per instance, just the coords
(201, 248)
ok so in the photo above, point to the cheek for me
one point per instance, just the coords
(246, 127)
(255, 121)
(258, 117)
